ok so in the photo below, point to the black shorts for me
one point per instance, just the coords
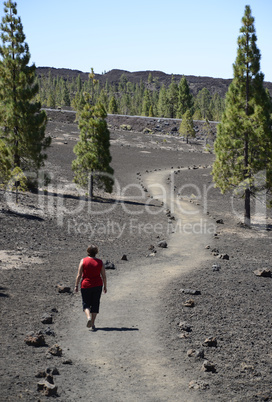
(91, 298)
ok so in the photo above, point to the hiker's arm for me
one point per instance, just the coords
(79, 275)
(104, 278)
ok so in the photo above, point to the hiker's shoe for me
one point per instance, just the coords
(89, 323)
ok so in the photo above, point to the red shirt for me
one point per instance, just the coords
(91, 273)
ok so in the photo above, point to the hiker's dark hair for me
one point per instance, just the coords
(92, 250)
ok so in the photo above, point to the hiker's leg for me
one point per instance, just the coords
(93, 318)
(88, 313)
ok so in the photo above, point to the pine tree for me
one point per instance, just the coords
(187, 126)
(185, 98)
(203, 100)
(243, 146)
(21, 120)
(113, 107)
(172, 99)
(146, 103)
(162, 102)
(92, 164)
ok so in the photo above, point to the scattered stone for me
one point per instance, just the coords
(151, 247)
(208, 367)
(224, 256)
(211, 341)
(196, 353)
(183, 335)
(216, 267)
(124, 257)
(55, 371)
(265, 272)
(68, 361)
(35, 340)
(208, 247)
(46, 388)
(48, 331)
(40, 374)
(190, 291)
(183, 326)
(50, 378)
(109, 265)
(162, 244)
(220, 221)
(201, 385)
(47, 319)
(152, 254)
(64, 289)
(189, 303)
(55, 350)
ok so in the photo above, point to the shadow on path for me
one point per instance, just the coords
(108, 329)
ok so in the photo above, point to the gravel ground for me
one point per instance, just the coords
(45, 236)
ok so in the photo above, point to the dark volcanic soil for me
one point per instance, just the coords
(45, 236)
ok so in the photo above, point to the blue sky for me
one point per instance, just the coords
(194, 37)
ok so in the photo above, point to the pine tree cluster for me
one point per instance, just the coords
(148, 98)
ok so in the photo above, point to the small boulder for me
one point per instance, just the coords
(124, 257)
(183, 326)
(265, 272)
(47, 319)
(208, 367)
(162, 244)
(46, 388)
(109, 265)
(216, 267)
(211, 341)
(64, 289)
(196, 353)
(35, 340)
(224, 256)
(189, 303)
(220, 221)
(55, 350)
(190, 291)
(67, 361)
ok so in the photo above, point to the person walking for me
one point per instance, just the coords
(93, 274)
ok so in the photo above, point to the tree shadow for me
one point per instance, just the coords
(3, 294)
(96, 199)
(22, 215)
(118, 329)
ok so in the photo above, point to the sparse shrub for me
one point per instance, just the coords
(147, 131)
(126, 127)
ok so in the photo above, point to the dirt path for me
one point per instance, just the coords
(125, 359)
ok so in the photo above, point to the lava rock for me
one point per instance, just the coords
(208, 366)
(47, 319)
(190, 291)
(162, 244)
(109, 265)
(35, 340)
(55, 350)
(210, 341)
(263, 272)
(64, 289)
(183, 326)
(46, 388)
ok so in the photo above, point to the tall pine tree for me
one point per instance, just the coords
(92, 165)
(21, 120)
(243, 146)
(185, 98)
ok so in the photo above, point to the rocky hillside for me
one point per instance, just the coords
(214, 85)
